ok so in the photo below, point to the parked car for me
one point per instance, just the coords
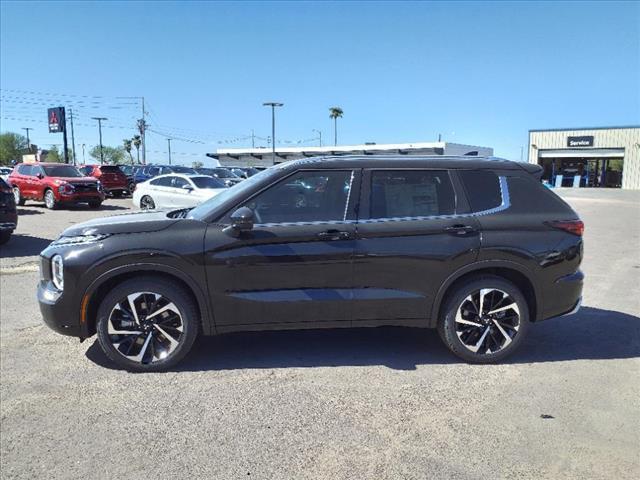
(8, 212)
(151, 171)
(129, 171)
(5, 172)
(243, 172)
(227, 176)
(54, 184)
(476, 248)
(113, 180)
(176, 191)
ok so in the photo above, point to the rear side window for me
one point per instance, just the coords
(411, 193)
(24, 169)
(483, 189)
(528, 195)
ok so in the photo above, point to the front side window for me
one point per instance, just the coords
(314, 196)
(162, 182)
(179, 182)
(208, 182)
(411, 193)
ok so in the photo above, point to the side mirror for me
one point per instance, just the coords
(40, 176)
(187, 187)
(241, 221)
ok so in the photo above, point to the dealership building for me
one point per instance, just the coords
(264, 157)
(588, 157)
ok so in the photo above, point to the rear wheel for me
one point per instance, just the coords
(145, 324)
(17, 196)
(5, 236)
(484, 320)
(50, 200)
(147, 203)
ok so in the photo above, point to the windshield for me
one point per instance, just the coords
(238, 190)
(208, 182)
(62, 171)
(178, 169)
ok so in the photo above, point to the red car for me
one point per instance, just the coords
(55, 184)
(113, 180)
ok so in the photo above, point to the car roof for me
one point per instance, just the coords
(46, 164)
(404, 161)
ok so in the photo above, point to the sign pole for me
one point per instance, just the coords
(64, 137)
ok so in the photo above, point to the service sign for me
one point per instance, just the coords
(580, 141)
(56, 119)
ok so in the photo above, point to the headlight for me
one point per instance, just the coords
(79, 239)
(57, 271)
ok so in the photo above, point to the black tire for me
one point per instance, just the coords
(170, 291)
(5, 236)
(50, 199)
(147, 203)
(95, 204)
(18, 196)
(447, 324)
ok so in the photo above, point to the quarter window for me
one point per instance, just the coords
(411, 193)
(483, 189)
(24, 169)
(313, 196)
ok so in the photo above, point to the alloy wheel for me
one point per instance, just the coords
(145, 327)
(49, 199)
(487, 321)
(146, 203)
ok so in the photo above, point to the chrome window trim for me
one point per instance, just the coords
(504, 205)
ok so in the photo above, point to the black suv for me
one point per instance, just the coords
(477, 248)
(8, 212)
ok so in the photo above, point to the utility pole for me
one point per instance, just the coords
(83, 160)
(100, 119)
(319, 135)
(253, 139)
(73, 140)
(26, 129)
(439, 137)
(169, 142)
(273, 106)
(142, 134)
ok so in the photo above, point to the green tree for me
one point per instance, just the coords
(137, 142)
(127, 148)
(54, 155)
(112, 155)
(12, 147)
(335, 113)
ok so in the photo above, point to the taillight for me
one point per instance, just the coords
(576, 227)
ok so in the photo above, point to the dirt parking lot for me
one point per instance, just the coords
(348, 404)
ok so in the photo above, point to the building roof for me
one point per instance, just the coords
(582, 128)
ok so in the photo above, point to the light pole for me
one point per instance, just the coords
(319, 135)
(83, 160)
(100, 119)
(273, 106)
(26, 129)
(169, 143)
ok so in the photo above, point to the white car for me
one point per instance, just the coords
(176, 191)
(4, 173)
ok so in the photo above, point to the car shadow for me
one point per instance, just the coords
(28, 211)
(41, 208)
(591, 334)
(23, 246)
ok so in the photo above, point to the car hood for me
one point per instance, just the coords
(75, 179)
(136, 222)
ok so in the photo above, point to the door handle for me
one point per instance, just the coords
(334, 235)
(460, 230)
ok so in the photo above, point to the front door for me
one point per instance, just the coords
(295, 267)
(414, 231)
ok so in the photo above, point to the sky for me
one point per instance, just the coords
(478, 73)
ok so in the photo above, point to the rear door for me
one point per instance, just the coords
(413, 232)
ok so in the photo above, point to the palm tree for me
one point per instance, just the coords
(335, 113)
(127, 148)
(137, 142)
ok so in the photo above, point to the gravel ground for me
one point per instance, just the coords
(379, 403)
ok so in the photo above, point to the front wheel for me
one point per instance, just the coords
(484, 320)
(147, 203)
(50, 200)
(146, 324)
(5, 236)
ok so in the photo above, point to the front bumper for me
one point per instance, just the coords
(58, 312)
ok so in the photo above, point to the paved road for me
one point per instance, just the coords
(383, 403)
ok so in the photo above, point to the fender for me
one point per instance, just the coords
(208, 323)
(477, 266)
